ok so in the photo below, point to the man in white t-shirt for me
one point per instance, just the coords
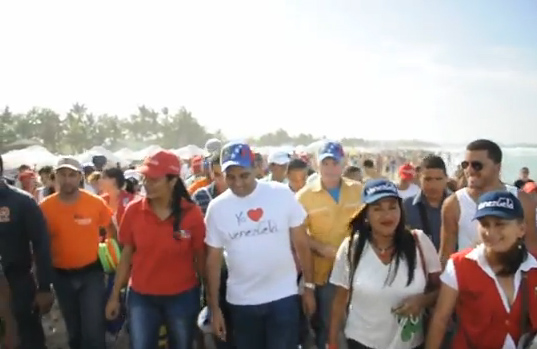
(278, 161)
(257, 223)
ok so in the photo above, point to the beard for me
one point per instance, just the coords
(511, 259)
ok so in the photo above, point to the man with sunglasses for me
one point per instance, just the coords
(482, 167)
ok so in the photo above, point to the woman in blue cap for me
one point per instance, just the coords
(387, 278)
(492, 287)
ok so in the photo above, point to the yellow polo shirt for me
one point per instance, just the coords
(328, 220)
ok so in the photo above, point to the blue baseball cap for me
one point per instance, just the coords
(501, 204)
(331, 149)
(376, 189)
(236, 154)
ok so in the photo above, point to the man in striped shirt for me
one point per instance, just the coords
(204, 195)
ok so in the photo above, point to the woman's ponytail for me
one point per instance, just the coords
(178, 194)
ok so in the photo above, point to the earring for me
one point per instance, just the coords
(520, 243)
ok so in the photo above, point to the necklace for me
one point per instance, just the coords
(382, 251)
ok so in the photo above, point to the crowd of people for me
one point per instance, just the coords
(285, 252)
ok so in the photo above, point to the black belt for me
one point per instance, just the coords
(95, 266)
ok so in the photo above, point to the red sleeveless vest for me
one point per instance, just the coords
(482, 318)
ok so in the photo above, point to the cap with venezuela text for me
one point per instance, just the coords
(376, 189)
(160, 164)
(331, 149)
(236, 154)
(501, 204)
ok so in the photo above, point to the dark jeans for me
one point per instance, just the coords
(324, 294)
(114, 326)
(81, 296)
(178, 312)
(355, 345)
(23, 288)
(273, 325)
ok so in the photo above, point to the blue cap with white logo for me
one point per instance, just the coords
(501, 204)
(236, 154)
(332, 150)
(376, 189)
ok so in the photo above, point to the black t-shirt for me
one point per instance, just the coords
(519, 183)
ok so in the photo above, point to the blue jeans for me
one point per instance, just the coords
(81, 296)
(148, 312)
(273, 325)
(324, 294)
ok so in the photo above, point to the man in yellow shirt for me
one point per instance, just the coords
(329, 201)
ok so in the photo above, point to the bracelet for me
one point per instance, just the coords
(311, 286)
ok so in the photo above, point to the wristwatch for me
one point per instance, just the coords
(309, 285)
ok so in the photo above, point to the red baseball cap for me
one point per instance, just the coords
(28, 174)
(530, 187)
(407, 172)
(160, 164)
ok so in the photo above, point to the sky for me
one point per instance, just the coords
(443, 71)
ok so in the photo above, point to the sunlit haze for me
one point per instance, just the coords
(446, 71)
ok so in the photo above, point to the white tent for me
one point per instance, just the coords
(111, 158)
(126, 154)
(33, 156)
(142, 154)
(189, 151)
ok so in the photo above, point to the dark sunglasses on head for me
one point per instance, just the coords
(475, 165)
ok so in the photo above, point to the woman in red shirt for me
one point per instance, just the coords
(117, 192)
(490, 287)
(163, 239)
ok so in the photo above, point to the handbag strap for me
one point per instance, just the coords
(422, 256)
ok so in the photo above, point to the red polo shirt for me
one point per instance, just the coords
(162, 264)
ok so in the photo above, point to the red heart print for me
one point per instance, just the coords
(256, 214)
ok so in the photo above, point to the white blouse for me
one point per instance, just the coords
(370, 320)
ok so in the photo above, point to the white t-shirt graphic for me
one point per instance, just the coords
(254, 231)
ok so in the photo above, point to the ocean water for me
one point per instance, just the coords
(514, 158)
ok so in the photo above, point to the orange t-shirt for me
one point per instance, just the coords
(74, 229)
(163, 262)
(200, 183)
(123, 200)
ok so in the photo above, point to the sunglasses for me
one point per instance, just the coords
(475, 165)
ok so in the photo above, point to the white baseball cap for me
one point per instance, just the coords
(279, 157)
(213, 145)
(132, 174)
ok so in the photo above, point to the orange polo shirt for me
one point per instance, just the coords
(200, 183)
(162, 264)
(74, 229)
(123, 200)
